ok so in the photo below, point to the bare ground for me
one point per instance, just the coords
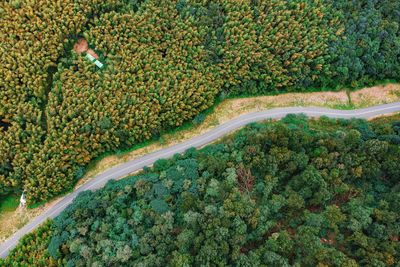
(11, 221)
(82, 46)
(376, 95)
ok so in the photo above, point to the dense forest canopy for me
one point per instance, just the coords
(164, 63)
(293, 193)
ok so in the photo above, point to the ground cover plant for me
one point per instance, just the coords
(164, 63)
(295, 192)
(9, 203)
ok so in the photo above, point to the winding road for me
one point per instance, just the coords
(198, 141)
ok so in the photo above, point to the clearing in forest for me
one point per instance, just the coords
(82, 46)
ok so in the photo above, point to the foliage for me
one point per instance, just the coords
(287, 44)
(297, 192)
(153, 80)
(37, 34)
(369, 49)
(262, 46)
(32, 249)
(9, 203)
(165, 62)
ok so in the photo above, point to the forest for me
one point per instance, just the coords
(164, 63)
(296, 192)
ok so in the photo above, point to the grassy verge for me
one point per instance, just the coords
(221, 112)
(9, 203)
(8, 207)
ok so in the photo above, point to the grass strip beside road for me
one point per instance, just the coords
(9, 203)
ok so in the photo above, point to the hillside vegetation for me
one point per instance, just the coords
(164, 63)
(297, 192)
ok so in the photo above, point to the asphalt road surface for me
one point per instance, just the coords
(198, 141)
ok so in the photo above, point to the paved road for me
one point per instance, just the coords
(219, 131)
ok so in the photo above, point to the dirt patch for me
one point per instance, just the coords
(82, 46)
(12, 221)
(376, 95)
(235, 107)
(298, 99)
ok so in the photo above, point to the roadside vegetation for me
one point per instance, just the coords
(226, 109)
(9, 203)
(165, 62)
(230, 108)
(292, 192)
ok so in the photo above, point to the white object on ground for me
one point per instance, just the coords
(22, 200)
(90, 57)
(93, 59)
(98, 64)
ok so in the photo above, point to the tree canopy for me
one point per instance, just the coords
(297, 192)
(164, 63)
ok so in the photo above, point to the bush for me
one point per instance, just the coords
(199, 119)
